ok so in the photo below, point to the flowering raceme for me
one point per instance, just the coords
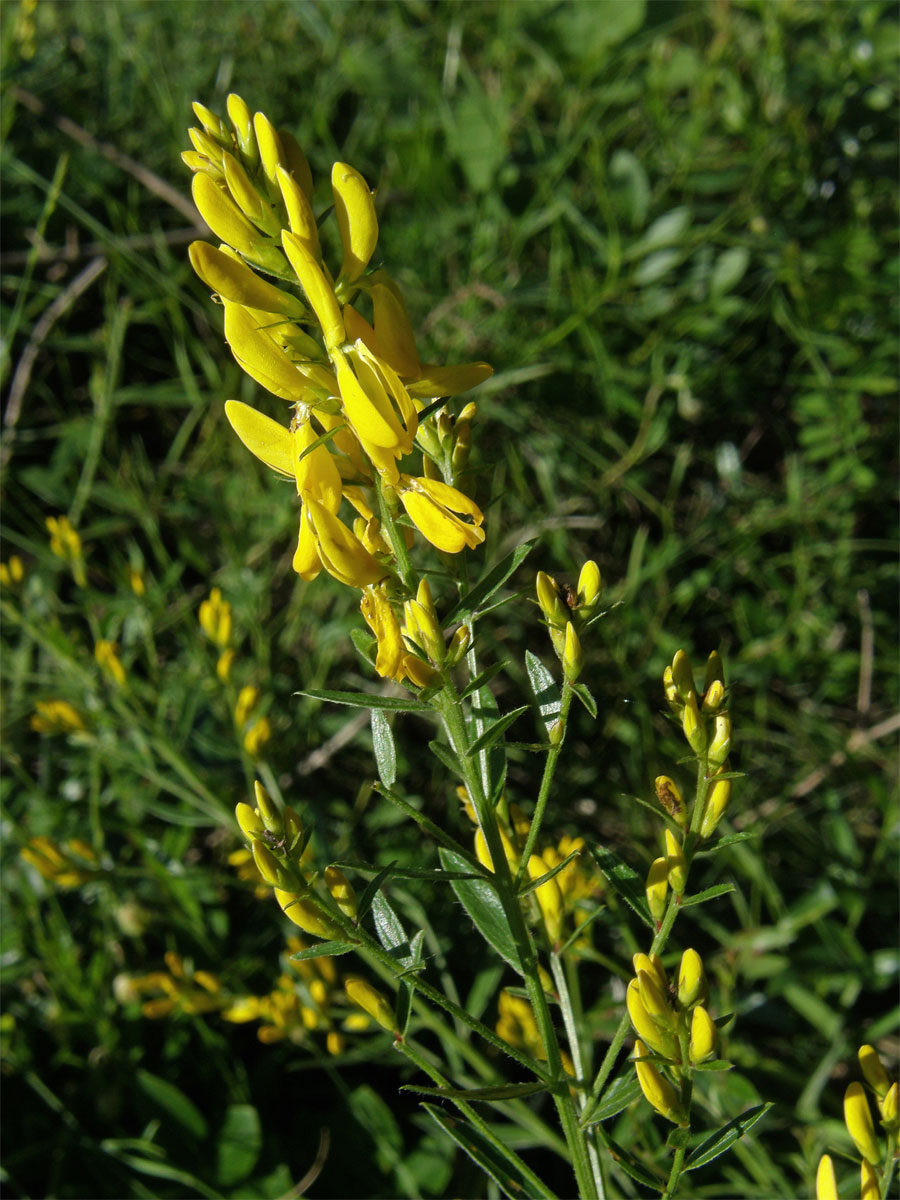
(357, 390)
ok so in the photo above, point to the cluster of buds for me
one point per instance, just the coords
(517, 1026)
(301, 1003)
(570, 890)
(12, 572)
(66, 866)
(280, 849)
(416, 650)
(56, 716)
(65, 543)
(673, 1028)
(254, 731)
(568, 612)
(180, 989)
(216, 621)
(706, 724)
(874, 1153)
(107, 656)
(356, 386)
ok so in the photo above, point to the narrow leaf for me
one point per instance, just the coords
(494, 732)
(545, 688)
(718, 889)
(502, 1091)
(586, 698)
(324, 950)
(542, 879)
(489, 583)
(624, 881)
(629, 1163)
(371, 889)
(363, 700)
(483, 905)
(724, 1138)
(445, 755)
(481, 679)
(620, 1093)
(383, 744)
(390, 930)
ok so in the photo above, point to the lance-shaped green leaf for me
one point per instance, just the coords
(324, 950)
(482, 903)
(390, 931)
(710, 893)
(495, 731)
(484, 677)
(545, 688)
(501, 1091)
(629, 1164)
(618, 1095)
(362, 700)
(586, 698)
(489, 583)
(723, 1139)
(447, 758)
(624, 881)
(371, 890)
(383, 745)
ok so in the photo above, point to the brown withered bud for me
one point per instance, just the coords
(669, 795)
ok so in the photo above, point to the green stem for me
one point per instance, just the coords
(449, 706)
(546, 784)
(677, 1165)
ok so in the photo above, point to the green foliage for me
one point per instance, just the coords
(672, 230)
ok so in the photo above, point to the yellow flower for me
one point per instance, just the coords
(56, 716)
(340, 552)
(657, 887)
(215, 618)
(109, 661)
(704, 1034)
(361, 993)
(68, 867)
(12, 572)
(436, 510)
(257, 737)
(66, 544)
(354, 208)
(869, 1183)
(392, 655)
(858, 1119)
(826, 1183)
(656, 1088)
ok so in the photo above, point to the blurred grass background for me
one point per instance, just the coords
(671, 227)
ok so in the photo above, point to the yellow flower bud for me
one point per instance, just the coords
(652, 964)
(268, 865)
(657, 1089)
(573, 657)
(271, 817)
(692, 986)
(655, 1000)
(683, 676)
(270, 151)
(589, 588)
(554, 609)
(657, 886)
(109, 662)
(235, 281)
(716, 804)
(869, 1185)
(240, 117)
(677, 864)
(459, 644)
(257, 737)
(714, 697)
(213, 124)
(858, 1119)
(13, 572)
(645, 1027)
(341, 890)
(672, 698)
(873, 1071)
(354, 207)
(669, 795)
(224, 664)
(319, 292)
(306, 916)
(335, 1042)
(890, 1105)
(721, 741)
(704, 1034)
(370, 1000)
(549, 898)
(247, 700)
(826, 1183)
(249, 820)
(214, 616)
(693, 727)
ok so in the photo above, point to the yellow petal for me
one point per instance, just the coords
(319, 291)
(436, 381)
(343, 555)
(306, 561)
(370, 414)
(376, 372)
(299, 210)
(396, 340)
(223, 216)
(246, 197)
(234, 281)
(260, 355)
(270, 150)
(272, 443)
(317, 473)
(294, 160)
(354, 208)
(440, 527)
